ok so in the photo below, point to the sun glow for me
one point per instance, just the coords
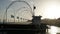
(53, 12)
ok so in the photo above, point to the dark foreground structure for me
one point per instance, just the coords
(34, 28)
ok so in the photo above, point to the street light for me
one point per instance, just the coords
(13, 3)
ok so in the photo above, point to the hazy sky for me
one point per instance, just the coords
(45, 8)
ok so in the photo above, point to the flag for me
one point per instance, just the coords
(17, 17)
(12, 16)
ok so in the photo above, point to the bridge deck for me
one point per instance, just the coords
(19, 29)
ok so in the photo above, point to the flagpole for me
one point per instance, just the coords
(14, 16)
(33, 10)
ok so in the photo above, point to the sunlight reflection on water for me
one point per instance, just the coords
(54, 30)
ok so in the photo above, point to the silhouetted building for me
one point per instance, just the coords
(36, 20)
(40, 26)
